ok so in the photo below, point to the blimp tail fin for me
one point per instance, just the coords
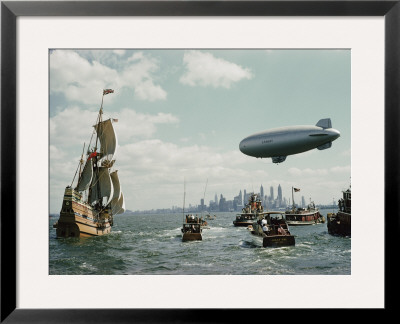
(324, 123)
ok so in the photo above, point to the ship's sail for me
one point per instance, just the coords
(116, 185)
(119, 207)
(117, 203)
(86, 176)
(102, 186)
(107, 137)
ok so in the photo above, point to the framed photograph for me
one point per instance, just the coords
(188, 87)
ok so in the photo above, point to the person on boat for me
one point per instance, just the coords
(265, 228)
(281, 230)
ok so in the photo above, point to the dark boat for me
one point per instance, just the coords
(340, 223)
(208, 216)
(303, 216)
(191, 229)
(249, 212)
(272, 228)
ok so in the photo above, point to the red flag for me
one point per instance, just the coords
(92, 155)
(115, 120)
(107, 91)
(296, 189)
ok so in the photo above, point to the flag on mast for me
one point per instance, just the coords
(107, 91)
(296, 189)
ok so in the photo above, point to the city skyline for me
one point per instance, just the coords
(239, 201)
(182, 113)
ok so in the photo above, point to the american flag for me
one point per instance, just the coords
(296, 189)
(107, 91)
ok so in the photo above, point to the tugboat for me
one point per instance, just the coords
(340, 223)
(273, 229)
(249, 212)
(303, 216)
(88, 208)
(191, 230)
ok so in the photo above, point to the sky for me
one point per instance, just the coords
(182, 114)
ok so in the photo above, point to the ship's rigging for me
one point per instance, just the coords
(96, 179)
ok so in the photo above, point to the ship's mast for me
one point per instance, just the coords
(99, 131)
(184, 194)
(79, 166)
(292, 197)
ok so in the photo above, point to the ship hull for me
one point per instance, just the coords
(242, 223)
(191, 237)
(339, 224)
(76, 218)
(300, 219)
(273, 238)
(278, 240)
(75, 226)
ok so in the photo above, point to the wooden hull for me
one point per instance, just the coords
(191, 237)
(310, 218)
(278, 240)
(75, 226)
(275, 240)
(300, 223)
(242, 223)
(339, 224)
(76, 218)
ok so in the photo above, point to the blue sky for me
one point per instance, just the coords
(182, 114)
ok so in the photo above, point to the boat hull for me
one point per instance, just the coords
(76, 218)
(242, 223)
(191, 237)
(300, 223)
(339, 224)
(75, 226)
(300, 219)
(278, 240)
(274, 240)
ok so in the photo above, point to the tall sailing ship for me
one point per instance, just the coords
(89, 207)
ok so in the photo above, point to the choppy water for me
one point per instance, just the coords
(152, 244)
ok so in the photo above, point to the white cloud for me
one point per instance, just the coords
(73, 125)
(77, 78)
(159, 168)
(308, 172)
(132, 124)
(203, 69)
(82, 77)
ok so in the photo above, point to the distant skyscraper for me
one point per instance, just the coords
(280, 194)
(240, 198)
(244, 197)
(303, 202)
(271, 190)
(216, 199)
(262, 193)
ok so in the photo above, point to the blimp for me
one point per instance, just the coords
(278, 143)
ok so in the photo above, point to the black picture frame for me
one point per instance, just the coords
(10, 10)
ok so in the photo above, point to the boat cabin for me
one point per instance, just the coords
(191, 228)
(275, 222)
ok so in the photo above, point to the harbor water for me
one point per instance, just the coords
(151, 244)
